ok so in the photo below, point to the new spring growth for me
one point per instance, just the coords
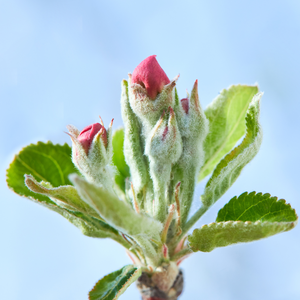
(163, 139)
(163, 148)
(150, 92)
(146, 210)
(92, 152)
(150, 76)
(193, 127)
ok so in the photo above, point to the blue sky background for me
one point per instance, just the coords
(61, 62)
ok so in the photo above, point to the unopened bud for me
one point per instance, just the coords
(91, 152)
(150, 76)
(191, 118)
(150, 91)
(193, 127)
(87, 135)
(133, 145)
(164, 142)
(163, 148)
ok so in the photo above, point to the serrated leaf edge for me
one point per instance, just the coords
(16, 157)
(223, 164)
(223, 91)
(246, 223)
(93, 289)
(137, 273)
(257, 194)
(227, 223)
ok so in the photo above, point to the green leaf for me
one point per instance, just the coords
(65, 196)
(230, 167)
(115, 212)
(88, 225)
(46, 162)
(119, 159)
(91, 226)
(114, 284)
(52, 165)
(247, 218)
(257, 207)
(222, 234)
(226, 116)
(68, 204)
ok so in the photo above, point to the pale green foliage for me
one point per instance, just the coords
(222, 234)
(45, 161)
(113, 285)
(244, 219)
(230, 167)
(115, 212)
(52, 164)
(118, 159)
(65, 196)
(226, 115)
(138, 188)
(257, 207)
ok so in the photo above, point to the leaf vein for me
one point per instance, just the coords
(220, 148)
(55, 163)
(30, 169)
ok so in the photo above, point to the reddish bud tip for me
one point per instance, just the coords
(151, 76)
(111, 123)
(87, 135)
(165, 251)
(165, 133)
(171, 110)
(185, 104)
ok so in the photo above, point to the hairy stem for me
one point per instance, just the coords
(191, 222)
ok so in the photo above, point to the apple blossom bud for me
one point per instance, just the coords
(193, 127)
(163, 148)
(164, 142)
(151, 76)
(86, 136)
(150, 92)
(133, 144)
(91, 153)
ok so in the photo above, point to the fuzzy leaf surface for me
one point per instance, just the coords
(46, 162)
(88, 225)
(246, 218)
(119, 158)
(66, 201)
(226, 115)
(65, 196)
(116, 212)
(230, 167)
(114, 284)
(52, 164)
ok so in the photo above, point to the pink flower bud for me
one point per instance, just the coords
(151, 76)
(86, 136)
(185, 104)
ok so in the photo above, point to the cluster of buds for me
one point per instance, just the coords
(92, 152)
(163, 139)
